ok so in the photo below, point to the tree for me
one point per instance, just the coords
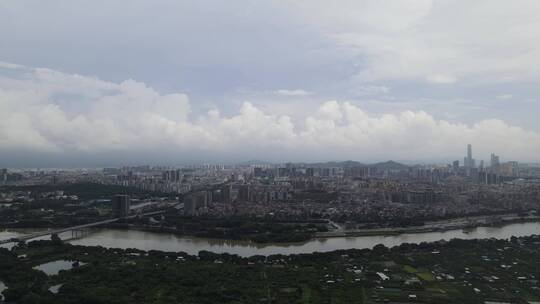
(56, 239)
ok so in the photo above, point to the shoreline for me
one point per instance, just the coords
(346, 233)
(424, 229)
(137, 239)
(439, 226)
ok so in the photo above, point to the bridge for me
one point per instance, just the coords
(27, 237)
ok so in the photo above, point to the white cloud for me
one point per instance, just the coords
(366, 90)
(438, 41)
(50, 111)
(441, 79)
(293, 92)
(11, 66)
(279, 51)
(505, 96)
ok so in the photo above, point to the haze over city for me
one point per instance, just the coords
(99, 83)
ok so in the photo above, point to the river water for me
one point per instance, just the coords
(2, 289)
(114, 238)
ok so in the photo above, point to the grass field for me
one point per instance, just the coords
(409, 269)
(426, 276)
(306, 294)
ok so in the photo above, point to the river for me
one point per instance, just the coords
(2, 289)
(114, 238)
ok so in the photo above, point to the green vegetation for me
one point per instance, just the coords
(39, 206)
(426, 276)
(85, 191)
(245, 228)
(306, 294)
(409, 269)
(458, 271)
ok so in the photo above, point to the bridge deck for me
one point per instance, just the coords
(57, 231)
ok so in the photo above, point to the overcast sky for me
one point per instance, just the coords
(95, 83)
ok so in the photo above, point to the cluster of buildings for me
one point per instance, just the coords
(7, 177)
(496, 172)
(346, 193)
(341, 190)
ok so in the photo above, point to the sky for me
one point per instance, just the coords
(101, 83)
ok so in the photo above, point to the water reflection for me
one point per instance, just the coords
(55, 289)
(3, 287)
(11, 233)
(169, 242)
(115, 238)
(54, 268)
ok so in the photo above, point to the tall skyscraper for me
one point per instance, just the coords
(455, 166)
(3, 175)
(244, 193)
(226, 193)
(121, 205)
(468, 161)
(514, 168)
(495, 163)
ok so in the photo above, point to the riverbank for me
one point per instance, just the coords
(466, 223)
(436, 226)
(112, 238)
(144, 240)
(474, 271)
(275, 231)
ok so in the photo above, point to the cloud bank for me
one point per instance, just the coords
(48, 112)
(457, 60)
(434, 41)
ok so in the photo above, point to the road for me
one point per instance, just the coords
(57, 231)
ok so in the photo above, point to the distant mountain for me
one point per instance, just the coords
(343, 164)
(254, 162)
(390, 165)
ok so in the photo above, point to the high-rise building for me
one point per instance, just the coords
(510, 168)
(244, 193)
(209, 196)
(455, 166)
(172, 175)
(515, 168)
(190, 205)
(195, 203)
(3, 175)
(120, 205)
(226, 193)
(258, 172)
(468, 161)
(495, 163)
